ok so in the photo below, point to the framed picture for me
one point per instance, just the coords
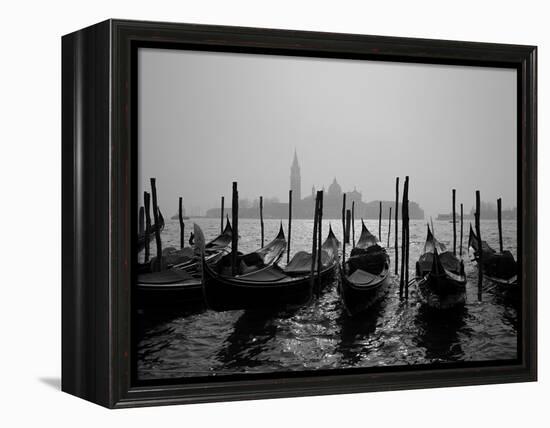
(252, 213)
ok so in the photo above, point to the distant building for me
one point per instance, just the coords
(488, 212)
(177, 215)
(332, 203)
(295, 179)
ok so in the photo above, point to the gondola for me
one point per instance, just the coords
(271, 286)
(185, 257)
(182, 283)
(500, 268)
(143, 237)
(365, 275)
(440, 276)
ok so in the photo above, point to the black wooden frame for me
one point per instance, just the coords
(98, 192)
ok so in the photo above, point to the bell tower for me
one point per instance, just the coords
(295, 179)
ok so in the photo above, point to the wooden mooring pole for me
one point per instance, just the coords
(319, 241)
(348, 225)
(454, 222)
(479, 252)
(499, 217)
(289, 225)
(389, 229)
(353, 223)
(396, 225)
(262, 218)
(461, 226)
(235, 224)
(380, 222)
(407, 240)
(147, 205)
(346, 236)
(182, 224)
(221, 215)
(344, 229)
(314, 243)
(158, 266)
(403, 240)
(141, 221)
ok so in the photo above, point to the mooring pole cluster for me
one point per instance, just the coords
(147, 228)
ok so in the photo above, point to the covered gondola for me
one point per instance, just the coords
(440, 276)
(270, 286)
(185, 258)
(182, 282)
(365, 275)
(499, 267)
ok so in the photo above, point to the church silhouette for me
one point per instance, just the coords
(302, 208)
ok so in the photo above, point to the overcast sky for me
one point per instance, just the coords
(207, 119)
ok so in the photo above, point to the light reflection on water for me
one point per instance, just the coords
(321, 335)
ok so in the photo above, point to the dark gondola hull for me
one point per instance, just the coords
(442, 292)
(440, 277)
(359, 296)
(224, 294)
(179, 286)
(358, 299)
(270, 287)
(498, 267)
(159, 298)
(178, 293)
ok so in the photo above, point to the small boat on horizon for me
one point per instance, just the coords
(177, 217)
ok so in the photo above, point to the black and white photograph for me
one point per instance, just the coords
(279, 213)
(300, 214)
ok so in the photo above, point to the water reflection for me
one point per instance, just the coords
(438, 332)
(320, 335)
(251, 333)
(356, 334)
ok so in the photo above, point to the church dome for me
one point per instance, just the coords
(334, 189)
(355, 195)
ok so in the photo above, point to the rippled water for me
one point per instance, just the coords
(321, 336)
